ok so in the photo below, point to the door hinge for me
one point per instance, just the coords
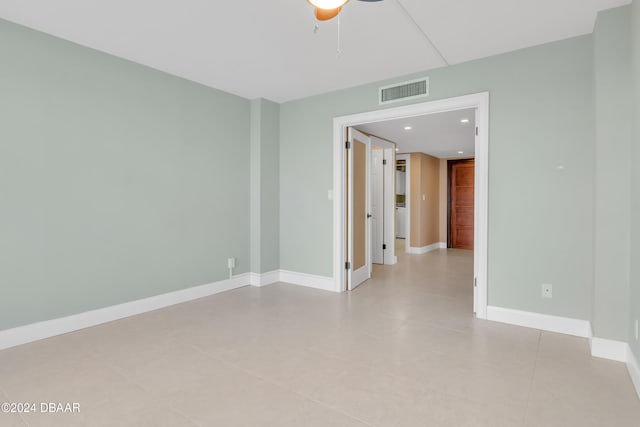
(384, 247)
(347, 144)
(475, 282)
(476, 130)
(384, 162)
(347, 265)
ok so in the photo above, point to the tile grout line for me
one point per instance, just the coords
(284, 386)
(115, 370)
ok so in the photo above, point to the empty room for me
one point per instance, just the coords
(213, 213)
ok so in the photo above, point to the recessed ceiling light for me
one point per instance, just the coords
(464, 120)
(460, 152)
(397, 149)
(408, 128)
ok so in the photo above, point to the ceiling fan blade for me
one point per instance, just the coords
(326, 14)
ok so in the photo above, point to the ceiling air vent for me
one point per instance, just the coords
(407, 90)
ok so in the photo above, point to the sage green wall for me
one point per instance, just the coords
(270, 187)
(265, 186)
(635, 199)
(612, 73)
(254, 179)
(540, 218)
(117, 182)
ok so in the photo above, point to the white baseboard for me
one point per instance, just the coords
(425, 249)
(293, 278)
(609, 349)
(49, 328)
(545, 322)
(309, 280)
(264, 279)
(634, 369)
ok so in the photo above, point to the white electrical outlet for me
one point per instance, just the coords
(231, 263)
(547, 290)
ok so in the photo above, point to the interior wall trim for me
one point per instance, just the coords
(634, 369)
(545, 322)
(308, 280)
(609, 349)
(264, 279)
(429, 248)
(619, 351)
(49, 328)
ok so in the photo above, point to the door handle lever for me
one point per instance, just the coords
(369, 215)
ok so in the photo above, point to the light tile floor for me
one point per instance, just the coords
(401, 350)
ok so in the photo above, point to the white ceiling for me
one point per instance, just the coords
(440, 135)
(260, 48)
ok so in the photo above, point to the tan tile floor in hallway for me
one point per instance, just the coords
(401, 350)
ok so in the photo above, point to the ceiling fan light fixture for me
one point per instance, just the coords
(326, 14)
(328, 4)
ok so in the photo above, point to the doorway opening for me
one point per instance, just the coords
(355, 156)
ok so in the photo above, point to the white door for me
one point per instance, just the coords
(358, 216)
(377, 205)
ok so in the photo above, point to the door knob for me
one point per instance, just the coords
(369, 215)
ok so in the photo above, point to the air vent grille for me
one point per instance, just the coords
(398, 92)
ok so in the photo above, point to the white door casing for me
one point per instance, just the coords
(480, 101)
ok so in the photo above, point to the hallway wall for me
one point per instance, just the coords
(425, 198)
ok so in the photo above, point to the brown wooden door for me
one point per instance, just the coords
(461, 183)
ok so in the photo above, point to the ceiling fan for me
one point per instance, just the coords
(327, 9)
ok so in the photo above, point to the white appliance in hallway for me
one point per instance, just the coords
(401, 223)
(401, 182)
(401, 210)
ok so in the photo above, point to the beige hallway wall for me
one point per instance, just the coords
(424, 199)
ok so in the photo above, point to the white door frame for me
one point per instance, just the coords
(479, 101)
